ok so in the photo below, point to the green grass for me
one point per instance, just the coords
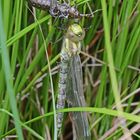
(29, 79)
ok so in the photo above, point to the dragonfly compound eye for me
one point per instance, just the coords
(78, 32)
(75, 33)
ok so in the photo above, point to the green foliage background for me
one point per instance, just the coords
(30, 43)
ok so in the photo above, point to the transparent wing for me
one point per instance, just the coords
(75, 98)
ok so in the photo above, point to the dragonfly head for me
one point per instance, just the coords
(75, 33)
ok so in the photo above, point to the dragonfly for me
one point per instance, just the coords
(70, 77)
(71, 82)
(57, 9)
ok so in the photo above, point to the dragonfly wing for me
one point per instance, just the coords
(75, 98)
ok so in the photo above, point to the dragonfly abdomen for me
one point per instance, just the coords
(62, 87)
